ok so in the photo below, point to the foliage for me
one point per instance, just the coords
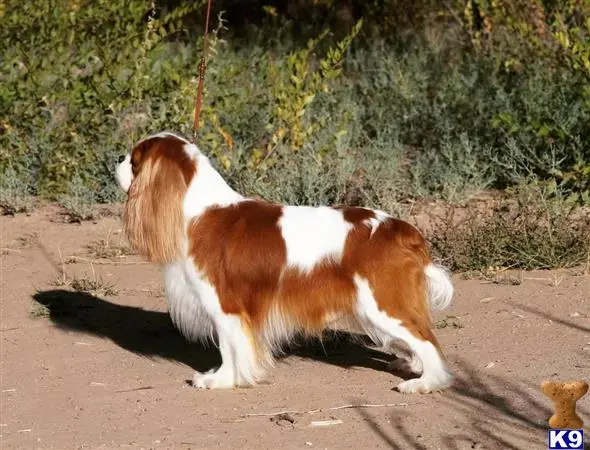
(421, 100)
(538, 231)
(74, 74)
(12, 199)
(557, 33)
(294, 95)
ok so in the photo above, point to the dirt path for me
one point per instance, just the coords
(106, 369)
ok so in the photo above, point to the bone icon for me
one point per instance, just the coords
(564, 395)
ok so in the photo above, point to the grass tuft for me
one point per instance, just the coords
(449, 322)
(106, 249)
(39, 311)
(94, 285)
(531, 232)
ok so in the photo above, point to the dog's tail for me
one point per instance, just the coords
(440, 287)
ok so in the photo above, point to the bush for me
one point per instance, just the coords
(537, 231)
(439, 106)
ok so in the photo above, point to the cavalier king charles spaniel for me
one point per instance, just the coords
(250, 275)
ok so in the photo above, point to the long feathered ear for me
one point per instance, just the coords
(153, 217)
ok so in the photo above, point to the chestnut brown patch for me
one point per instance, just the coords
(393, 260)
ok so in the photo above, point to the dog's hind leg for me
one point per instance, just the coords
(414, 330)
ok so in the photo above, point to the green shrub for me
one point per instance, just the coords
(418, 102)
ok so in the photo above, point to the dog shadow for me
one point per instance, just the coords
(143, 332)
(153, 335)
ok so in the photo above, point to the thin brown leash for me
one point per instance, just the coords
(202, 67)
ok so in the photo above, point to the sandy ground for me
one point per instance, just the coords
(106, 369)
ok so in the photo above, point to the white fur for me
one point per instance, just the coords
(190, 317)
(239, 366)
(277, 332)
(379, 218)
(192, 150)
(440, 287)
(383, 330)
(196, 311)
(124, 174)
(207, 188)
(313, 235)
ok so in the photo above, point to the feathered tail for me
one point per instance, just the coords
(440, 287)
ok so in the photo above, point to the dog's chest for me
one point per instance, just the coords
(187, 304)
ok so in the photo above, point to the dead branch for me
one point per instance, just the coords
(334, 408)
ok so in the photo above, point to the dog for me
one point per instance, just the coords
(250, 275)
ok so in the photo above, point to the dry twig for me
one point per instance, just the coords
(334, 408)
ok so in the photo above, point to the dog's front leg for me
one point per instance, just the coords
(238, 358)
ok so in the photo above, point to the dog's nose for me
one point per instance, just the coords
(121, 159)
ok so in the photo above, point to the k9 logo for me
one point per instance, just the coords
(566, 439)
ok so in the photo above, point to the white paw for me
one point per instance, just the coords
(414, 386)
(424, 385)
(222, 378)
(409, 364)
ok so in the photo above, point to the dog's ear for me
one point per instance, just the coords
(153, 217)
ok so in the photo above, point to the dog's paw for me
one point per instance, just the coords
(424, 385)
(414, 386)
(221, 378)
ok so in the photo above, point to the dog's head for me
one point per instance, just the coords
(156, 175)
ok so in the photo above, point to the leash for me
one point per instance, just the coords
(201, 68)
